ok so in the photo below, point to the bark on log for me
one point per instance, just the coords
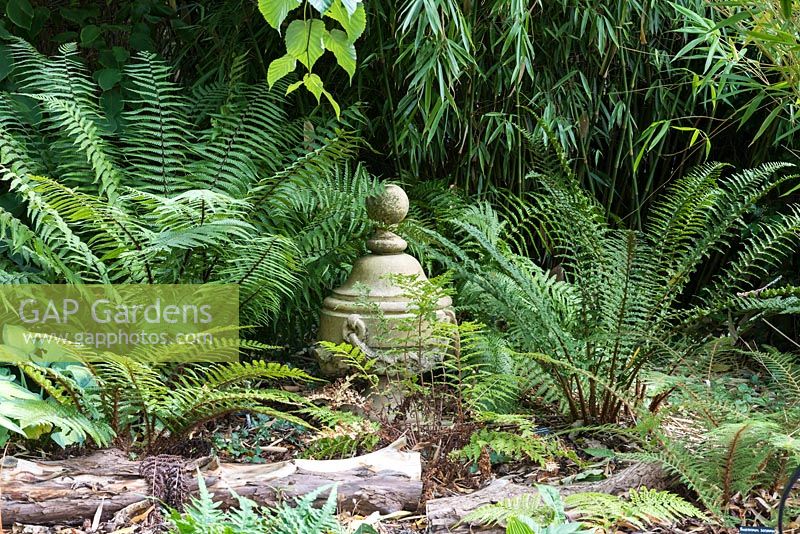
(69, 491)
(444, 513)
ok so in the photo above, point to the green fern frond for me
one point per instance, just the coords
(266, 270)
(243, 143)
(70, 119)
(304, 518)
(225, 375)
(527, 504)
(784, 369)
(156, 131)
(66, 419)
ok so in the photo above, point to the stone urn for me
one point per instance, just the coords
(365, 310)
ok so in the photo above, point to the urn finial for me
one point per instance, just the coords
(374, 320)
(388, 209)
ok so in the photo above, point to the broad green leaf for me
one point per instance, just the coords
(293, 86)
(305, 40)
(354, 24)
(279, 68)
(108, 78)
(40, 17)
(276, 11)
(111, 102)
(13, 390)
(6, 61)
(120, 54)
(315, 86)
(16, 336)
(339, 43)
(552, 499)
(89, 34)
(321, 5)
(10, 425)
(20, 12)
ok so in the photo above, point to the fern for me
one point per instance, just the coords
(156, 132)
(616, 306)
(643, 507)
(237, 193)
(513, 445)
(304, 518)
(139, 397)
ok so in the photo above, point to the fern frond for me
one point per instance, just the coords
(267, 270)
(71, 423)
(70, 119)
(156, 132)
(527, 504)
(784, 369)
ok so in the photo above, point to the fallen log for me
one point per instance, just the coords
(445, 513)
(70, 491)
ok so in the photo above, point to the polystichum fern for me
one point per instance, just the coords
(616, 305)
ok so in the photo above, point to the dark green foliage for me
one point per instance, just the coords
(148, 405)
(726, 450)
(514, 444)
(246, 442)
(615, 302)
(239, 194)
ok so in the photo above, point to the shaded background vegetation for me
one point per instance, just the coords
(631, 89)
(636, 92)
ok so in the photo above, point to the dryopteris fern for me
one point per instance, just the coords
(147, 401)
(642, 507)
(203, 515)
(730, 451)
(239, 193)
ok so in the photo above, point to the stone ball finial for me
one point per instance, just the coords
(389, 207)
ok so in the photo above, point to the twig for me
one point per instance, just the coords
(756, 292)
(778, 330)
